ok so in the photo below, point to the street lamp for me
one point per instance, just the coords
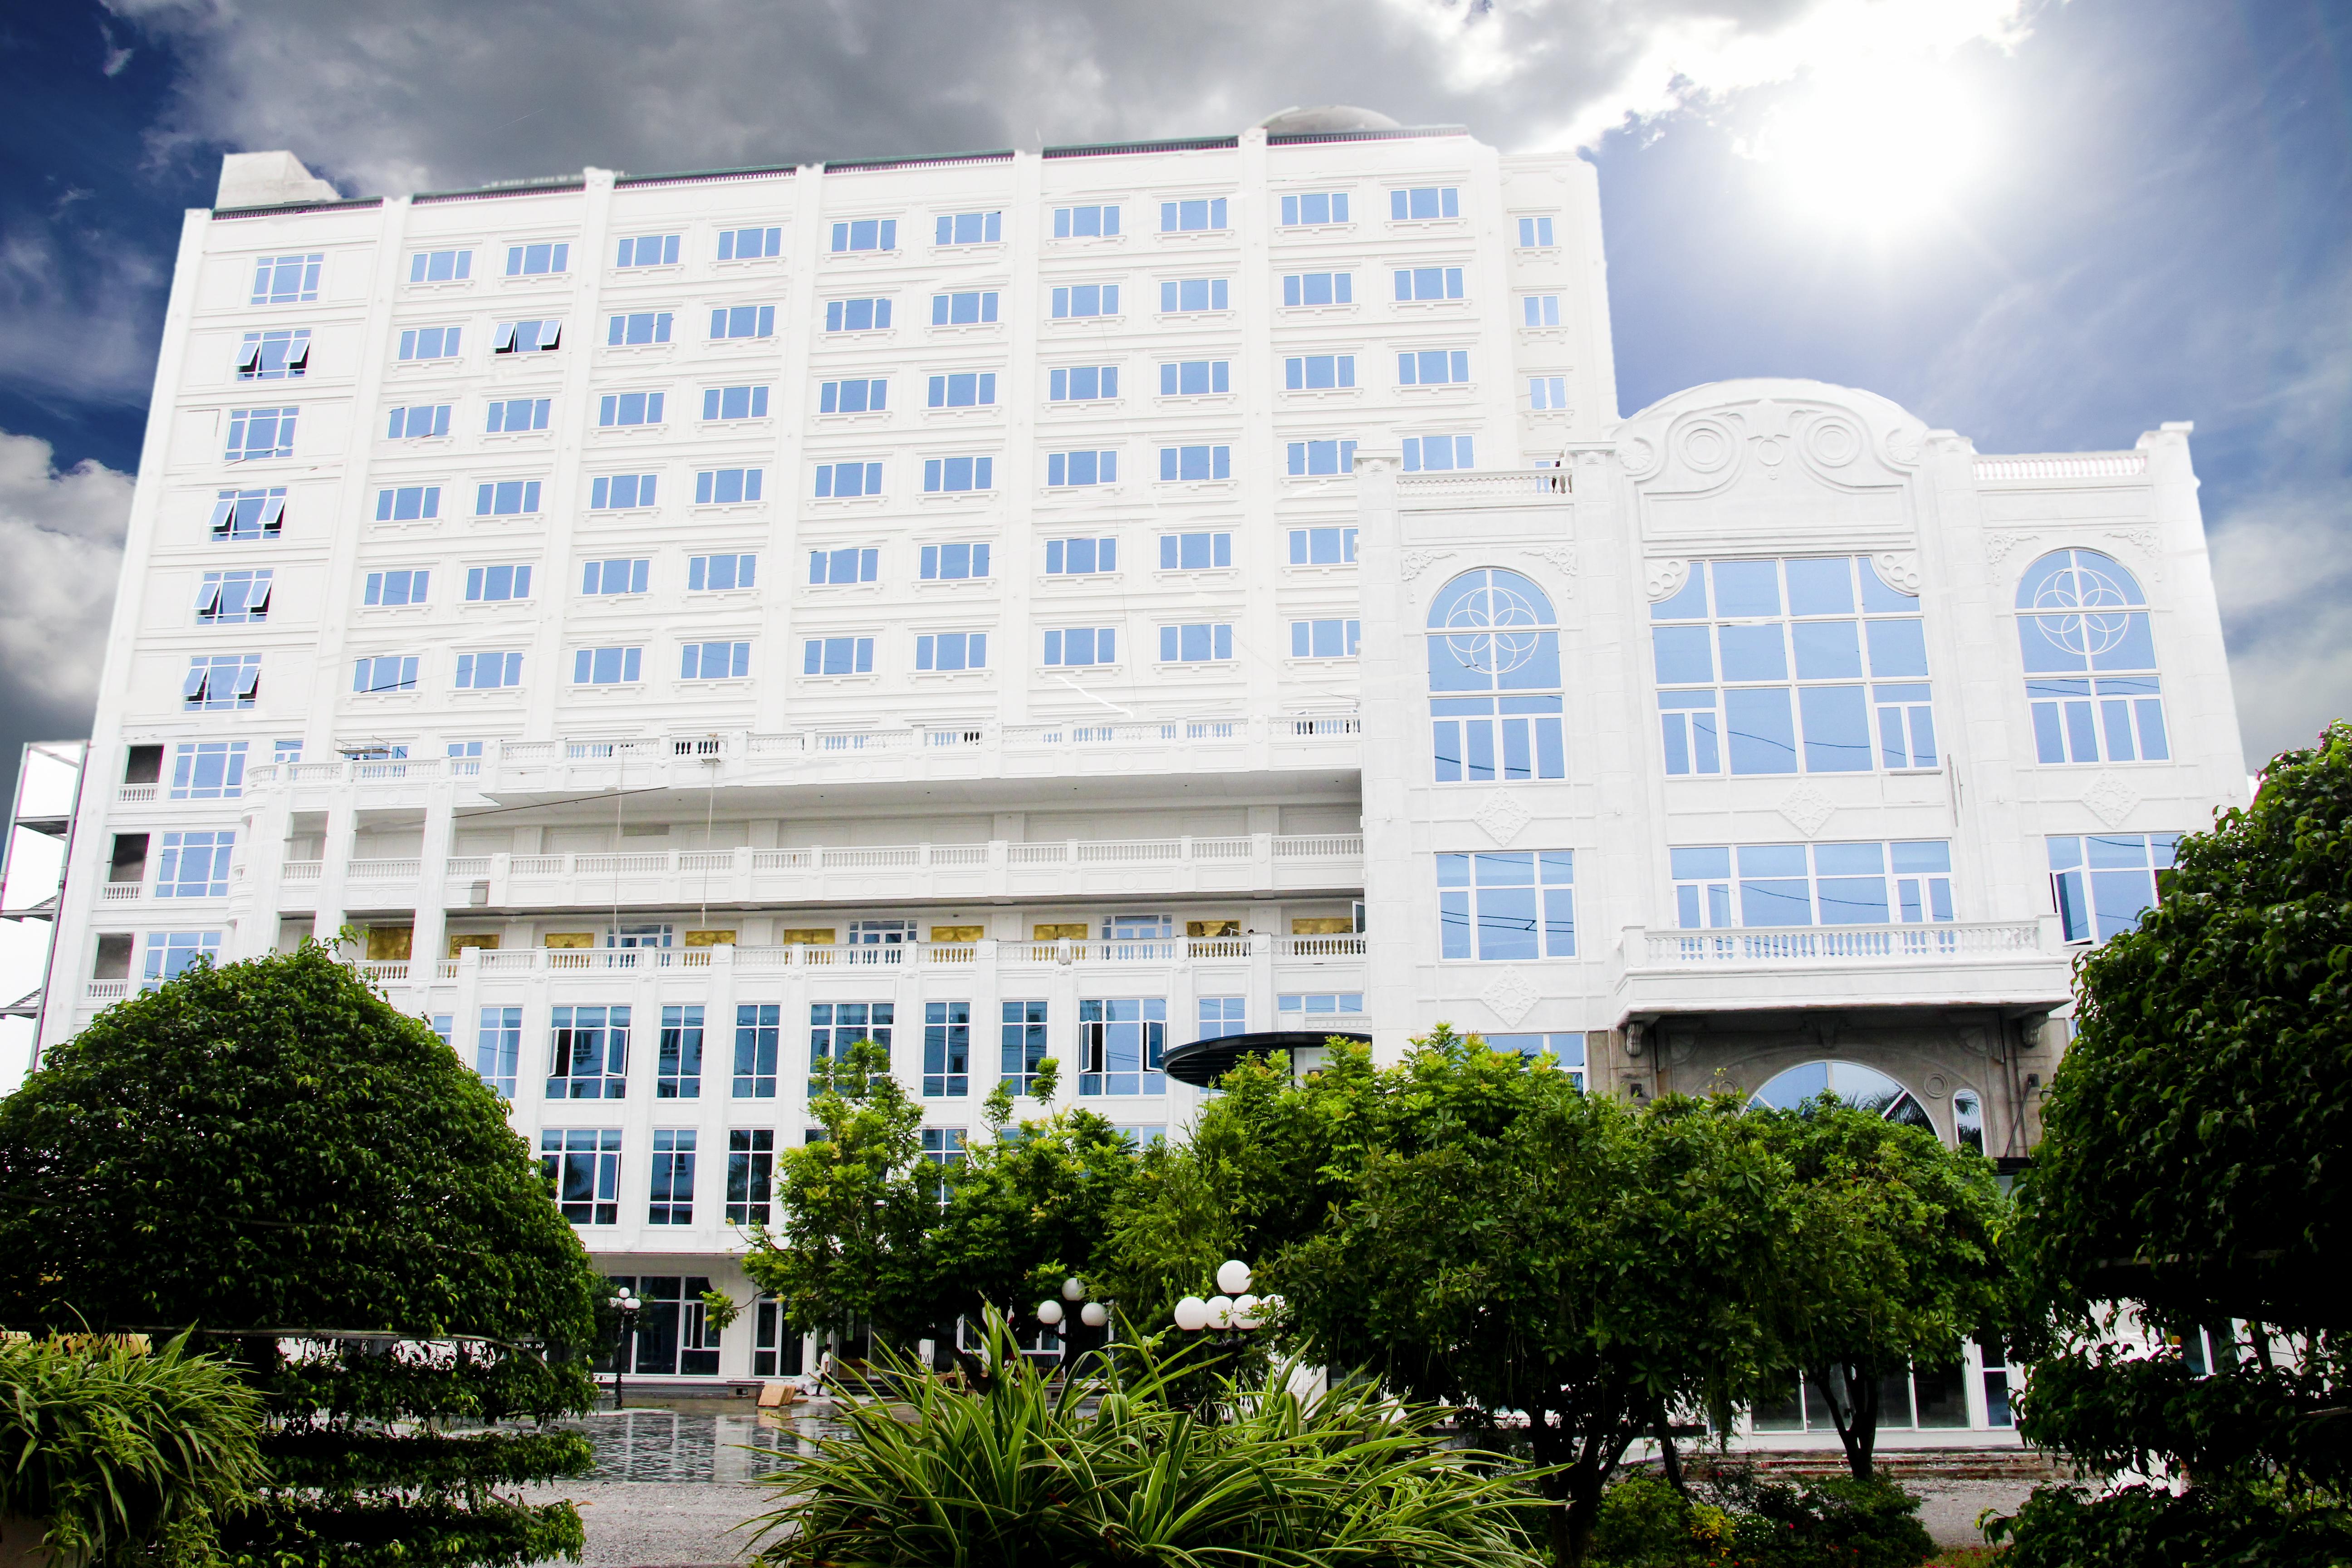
(1233, 1306)
(1054, 1313)
(626, 1302)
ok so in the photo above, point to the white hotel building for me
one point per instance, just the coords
(1086, 603)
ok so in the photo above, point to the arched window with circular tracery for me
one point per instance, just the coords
(1867, 1089)
(1495, 681)
(2090, 661)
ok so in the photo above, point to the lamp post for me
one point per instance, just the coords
(626, 1302)
(1232, 1308)
(1054, 1313)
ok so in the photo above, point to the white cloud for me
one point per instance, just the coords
(61, 535)
(442, 92)
(2282, 577)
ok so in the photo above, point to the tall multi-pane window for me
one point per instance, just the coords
(208, 770)
(1192, 216)
(194, 864)
(678, 1071)
(1536, 232)
(1423, 201)
(583, 1167)
(498, 1049)
(1774, 667)
(589, 1053)
(1120, 1043)
(257, 433)
(750, 244)
(1539, 310)
(969, 228)
(2103, 882)
(946, 1050)
(1085, 222)
(1507, 904)
(283, 354)
(647, 251)
(1222, 1015)
(1311, 207)
(220, 681)
(835, 1027)
(866, 233)
(294, 280)
(943, 1147)
(2090, 661)
(751, 1175)
(1905, 882)
(1495, 681)
(670, 1198)
(1318, 288)
(1022, 1045)
(239, 516)
(759, 1033)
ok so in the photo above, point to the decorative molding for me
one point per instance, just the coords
(1416, 562)
(2148, 543)
(1998, 545)
(1834, 442)
(1511, 995)
(1502, 818)
(1808, 808)
(1899, 570)
(1638, 455)
(1706, 446)
(2110, 799)
(1665, 579)
(1376, 465)
(1902, 446)
(1561, 557)
(1589, 458)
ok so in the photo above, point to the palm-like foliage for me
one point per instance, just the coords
(1122, 1471)
(119, 1454)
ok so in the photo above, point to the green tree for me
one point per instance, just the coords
(1894, 1256)
(1511, 1243)
(2193, 1173)
(851, 1245)
(268, 1148)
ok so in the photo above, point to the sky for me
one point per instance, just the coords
(2049, 225)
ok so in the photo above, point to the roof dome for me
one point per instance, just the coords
(1325, 119)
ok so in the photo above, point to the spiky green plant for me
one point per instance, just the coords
(1118, 1469)
(122, 1454)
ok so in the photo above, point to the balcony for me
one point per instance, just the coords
(1327, 863)
(520, 770)
(1319, 963)
(1983, 964)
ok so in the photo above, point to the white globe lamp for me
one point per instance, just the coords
(1221, 1311)
(1094, 1314)
(1192, 1314)
(1246, 1311)
(1074, 1289)
(1049, 1312)
(1233, 1276)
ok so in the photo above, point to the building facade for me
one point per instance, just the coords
(1081, 603)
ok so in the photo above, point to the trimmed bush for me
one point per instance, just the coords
(123, 1455)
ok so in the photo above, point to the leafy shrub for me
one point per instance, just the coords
(118, 1452)
(1015, 1475)
(2145, 1526)
(1646, 1523)
(1834, 1523)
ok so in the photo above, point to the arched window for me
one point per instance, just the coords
(1865, 1089)
(1493, 680)
(2090, 661)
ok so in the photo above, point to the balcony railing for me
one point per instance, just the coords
(1222, 743)
(1798, 946)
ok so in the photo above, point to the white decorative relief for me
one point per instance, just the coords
(1512, 996)
(1833, 442)
(1899, 570)
(1998, 545)
(1560, 557)
(1416, 562)
(1501, 818)
(2110, 799)
(1807, 807)
(1902, 446)
(1665, 579)
(2147, 541)
(1638, 455)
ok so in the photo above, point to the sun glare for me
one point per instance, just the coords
(1879, 150)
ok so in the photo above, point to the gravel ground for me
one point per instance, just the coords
(645, 1524)
(641, 1524)
(1949, 1508)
